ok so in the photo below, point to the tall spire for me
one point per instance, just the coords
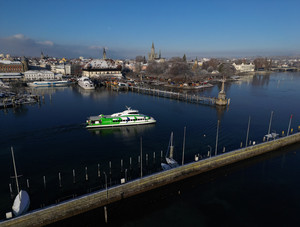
(104, 53)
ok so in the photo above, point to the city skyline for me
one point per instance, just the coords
(127, 29)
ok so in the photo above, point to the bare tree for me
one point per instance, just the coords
(211, 63)
(227, 69)
(139, 58)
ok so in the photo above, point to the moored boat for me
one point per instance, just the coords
(126, 118)
(86, 83)
(22, 201)
(49, 83)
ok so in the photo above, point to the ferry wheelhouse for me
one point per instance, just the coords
(126, 118)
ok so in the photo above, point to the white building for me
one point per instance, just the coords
(244, 67)
(39, 75)
(102, 67)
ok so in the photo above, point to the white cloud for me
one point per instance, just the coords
(47, 43)
(96, 47)
(19, 36)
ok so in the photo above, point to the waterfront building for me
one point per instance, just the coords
(102, 67)
(39, 75)
(244, 67)
(7, 66)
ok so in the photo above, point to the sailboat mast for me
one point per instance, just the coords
(270, 122)
(171, 146)
(15, 169)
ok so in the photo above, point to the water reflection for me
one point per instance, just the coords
(260, 80)
(45, 90)
(122, 132)
(98, 93)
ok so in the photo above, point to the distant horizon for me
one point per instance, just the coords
(216, 28)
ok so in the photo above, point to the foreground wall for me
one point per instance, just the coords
(85, 203)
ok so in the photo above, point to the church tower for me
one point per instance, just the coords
(104, 54)
(42, 55)
(152, 55)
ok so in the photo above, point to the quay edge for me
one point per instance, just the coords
(101, 198)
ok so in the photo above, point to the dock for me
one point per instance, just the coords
(107, 196)
(196, 99)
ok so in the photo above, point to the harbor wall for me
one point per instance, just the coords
(90, 201)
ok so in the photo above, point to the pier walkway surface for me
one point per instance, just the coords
(174, 95)
(101, 198)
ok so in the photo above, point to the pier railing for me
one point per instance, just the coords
(172, 95)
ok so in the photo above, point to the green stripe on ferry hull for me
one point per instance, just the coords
(118, 121)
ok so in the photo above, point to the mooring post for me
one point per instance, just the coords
(74, 181)
(86, 174)
(59, 179)
(98, 170)
(241, 144)
(130, 162)
(44, 178)
(27, 181)
(105, 214)
(110, 167)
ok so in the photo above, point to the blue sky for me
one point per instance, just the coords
(127, 28)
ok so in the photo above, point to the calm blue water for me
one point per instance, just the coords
(50, 137)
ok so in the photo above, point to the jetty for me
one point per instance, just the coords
(107, 196)
(221, 100)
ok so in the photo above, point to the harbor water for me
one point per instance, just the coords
(59, 158)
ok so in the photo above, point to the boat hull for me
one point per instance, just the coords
(21, 203)
(152, 121)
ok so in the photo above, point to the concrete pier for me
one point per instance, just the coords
(101, 198)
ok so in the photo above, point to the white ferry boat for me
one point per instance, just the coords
(86, 83)
(49, 83)
(126, 118)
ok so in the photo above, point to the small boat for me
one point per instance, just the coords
(49, 83)
(86, 83)
(126, 118)
(22, 201)
(170, 161)
(272, 135)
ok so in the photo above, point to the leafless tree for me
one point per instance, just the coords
(139, 58)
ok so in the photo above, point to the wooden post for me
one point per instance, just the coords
(44, 178)
(99, 174)
(74, 181)
(59, 179)
(86, 174)
(105, 214)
